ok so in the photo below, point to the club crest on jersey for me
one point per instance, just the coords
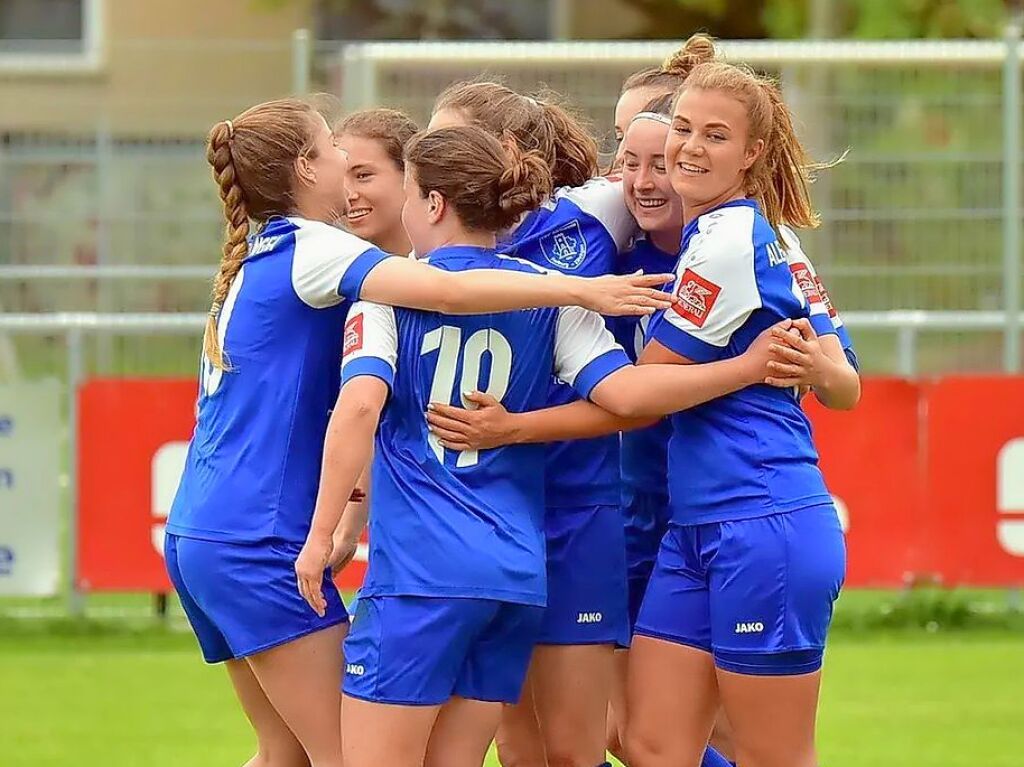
(806, 282)
(353, 335)
(565, 248)
(697, 297)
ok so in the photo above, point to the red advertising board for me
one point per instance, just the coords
(928, 477)
(128, 430)
(871, 460)
(975, 479)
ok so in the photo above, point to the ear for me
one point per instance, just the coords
(304, 170)
(754, 151)
(437, 206)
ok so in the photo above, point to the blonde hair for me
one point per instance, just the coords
(674, 70)
(253, 160)
(780, 176)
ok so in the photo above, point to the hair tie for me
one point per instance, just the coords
(231, 128)
(656, 116)
(533, 101)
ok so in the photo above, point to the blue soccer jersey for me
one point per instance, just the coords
(581, 231)
(749, 453)
(465, 524)
(253, 465)
(644, 458)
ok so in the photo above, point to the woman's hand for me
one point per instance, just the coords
(344, 550)
(797, 358)
(309, 571)
(758, 355)
(488, 425)
(636, 293)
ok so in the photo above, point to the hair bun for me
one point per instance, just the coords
(697, 50)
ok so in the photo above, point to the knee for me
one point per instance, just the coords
(510, 754)
(566, 758)
(269, 756)
(642, 748)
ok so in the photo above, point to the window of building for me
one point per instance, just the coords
(42, 26)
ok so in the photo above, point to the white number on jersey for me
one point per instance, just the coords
(447, 341)
(210, 376)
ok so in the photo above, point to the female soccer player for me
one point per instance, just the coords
(581, 229)
(269, 375)
(739, 603)
(450, 607)
(374, 140)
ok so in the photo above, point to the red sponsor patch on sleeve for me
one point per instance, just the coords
(697, 297)
(806, 282)
(353, 334)
(825, 297)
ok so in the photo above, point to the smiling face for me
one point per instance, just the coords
(375, 194)
(646, 185)
(708, 150)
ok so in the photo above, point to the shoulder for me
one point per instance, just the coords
(727, 234)
(601, 199)
(317, 238)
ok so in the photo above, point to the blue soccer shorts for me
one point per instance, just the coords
(242, 599)
(586, 567)
(421, 651)
(756, 593)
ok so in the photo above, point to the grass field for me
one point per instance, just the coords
(73, 696)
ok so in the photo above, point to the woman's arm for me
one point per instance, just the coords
(415, 285)
(347, 450)
(805, 359)
(353, 522)
(491, 425)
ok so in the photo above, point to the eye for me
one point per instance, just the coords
(718, 137)
(630, 165)
(363, 175)
(682, 130)
(659, 167)
(618, 136)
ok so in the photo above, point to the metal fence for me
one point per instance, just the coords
(918, 217)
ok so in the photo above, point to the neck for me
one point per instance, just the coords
(461, 236)
(693, 209)
(315, 210)
(395, 242)
(667, 240)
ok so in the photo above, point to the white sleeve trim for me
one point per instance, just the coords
(580, 337)
(323, 254)
(371, 331)
(602, 199)
(716, 280)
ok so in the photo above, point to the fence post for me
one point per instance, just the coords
(73, 338)
(300, 61)
(906, 350)
(1011, 188)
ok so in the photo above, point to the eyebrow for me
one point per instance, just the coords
(716, 124)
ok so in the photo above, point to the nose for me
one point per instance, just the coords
(693, 145)
(644, 181)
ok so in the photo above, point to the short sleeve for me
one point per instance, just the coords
(371, 343)
(811, 289)
(329, 265)
(585, 350)
(716, 287)
(602, 200)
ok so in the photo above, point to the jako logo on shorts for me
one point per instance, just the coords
(355, 669)
(749, 628)
(589, 618)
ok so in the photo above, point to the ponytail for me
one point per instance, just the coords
(575, 150)
(236, 233)
(698, 49)
(523, 185)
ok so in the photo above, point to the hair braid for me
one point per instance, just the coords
(236, 233)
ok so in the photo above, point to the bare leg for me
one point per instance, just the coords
(379, 734)
(571, 688)
(518, 737)
(276, 745)
(462, 733)
(617, 712)
(773, 717)
(672, 697)
(722, 738)
(302, 679)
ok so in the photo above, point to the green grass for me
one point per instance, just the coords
(124, 696)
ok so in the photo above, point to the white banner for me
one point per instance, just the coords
(30, 429)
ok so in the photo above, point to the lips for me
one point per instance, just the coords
(357, 214)
(651, 203)
(690, 169)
